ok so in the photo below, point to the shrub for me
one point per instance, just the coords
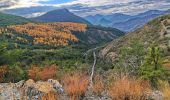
(98, 85)
(37, 73)
(3, 72)
(75, 85)
(128, 89)
(34, 72)
(48, 72)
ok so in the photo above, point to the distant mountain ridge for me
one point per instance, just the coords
(60, 15)
(126, 22)
(8, 19)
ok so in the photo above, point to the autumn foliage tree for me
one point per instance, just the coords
(51, 33)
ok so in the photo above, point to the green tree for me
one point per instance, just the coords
(152, 69)
(132, 56)
(3, 48)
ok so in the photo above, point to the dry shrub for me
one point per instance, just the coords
(129, 89)
(48, 72)
(37, 73)
(164, 87)
(75, 85)
(98, 85)
(3, 72)
(167, 65)
(50, 96)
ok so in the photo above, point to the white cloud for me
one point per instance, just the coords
(91, 7)
(20, 3)
(117, 6)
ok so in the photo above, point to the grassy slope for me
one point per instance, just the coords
(7, 19)
(149, 34)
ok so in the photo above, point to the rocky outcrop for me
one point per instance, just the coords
(29, 90)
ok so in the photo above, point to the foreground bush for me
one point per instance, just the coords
(37, 73)
(164, 87)
(3, 72)
(50, 96)
(75, 85)
(128, 89)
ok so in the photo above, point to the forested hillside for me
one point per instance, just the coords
(7, 19)
(58, 34)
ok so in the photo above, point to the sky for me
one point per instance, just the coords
(31, 8)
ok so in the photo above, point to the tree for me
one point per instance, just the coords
(131, 56)
(3, 48)
(152, 69)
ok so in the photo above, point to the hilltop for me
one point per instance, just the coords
(60, 15)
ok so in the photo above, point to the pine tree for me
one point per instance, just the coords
(152, 68)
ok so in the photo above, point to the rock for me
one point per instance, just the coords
(56, 85)
(29, 83)
(20, 84)
(156, 95)
(44, 87)
(28, 90)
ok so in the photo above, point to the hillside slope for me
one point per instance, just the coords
(61, 33)
(60, 15)
(7, 19)
(157, 31)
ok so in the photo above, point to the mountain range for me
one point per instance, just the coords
(125, 22)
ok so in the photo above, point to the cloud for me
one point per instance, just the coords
(83, 7)
(92, 7)
(12, 4)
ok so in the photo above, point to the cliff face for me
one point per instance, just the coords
(29, 90)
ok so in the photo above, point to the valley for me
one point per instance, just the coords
(61, 56)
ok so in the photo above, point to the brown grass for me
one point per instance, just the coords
(37, 73)
(128, 89)
(3, 71)
(164, 87)
(98, 85)
(50, 96)
(75, 85)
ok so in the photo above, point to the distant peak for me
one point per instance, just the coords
(61, 10)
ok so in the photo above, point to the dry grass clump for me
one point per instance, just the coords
(129, 89)
(75, 85)
(50, 96)
(37, 73)
(164, 87)
(3, 71)
(98, 85)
